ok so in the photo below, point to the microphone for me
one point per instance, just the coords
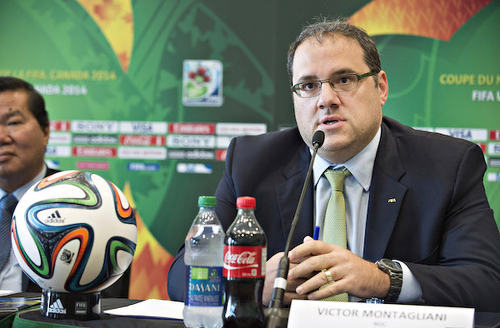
(276, 316)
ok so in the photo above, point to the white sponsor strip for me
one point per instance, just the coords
(143, 127)
(94, 139)
(351, 314)
(190, 141)
(223, 141)
(59, 138)
(494, 162)
(190, 154)
(467, 134)
(238, 129)
(494, 148)
(94, 126)
(493, 176)
(198, 168)
(142, 152)
(58, 151)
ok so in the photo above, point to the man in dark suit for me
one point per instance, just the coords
(419, 228)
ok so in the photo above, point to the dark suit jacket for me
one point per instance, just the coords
(441, 224)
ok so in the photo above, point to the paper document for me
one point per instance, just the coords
(151, 308)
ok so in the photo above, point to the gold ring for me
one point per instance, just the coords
(328, 275)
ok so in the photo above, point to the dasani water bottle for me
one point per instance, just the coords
(204, 246)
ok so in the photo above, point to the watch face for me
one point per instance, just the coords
(393, 266)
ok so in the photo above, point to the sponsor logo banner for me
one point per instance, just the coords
(190, 141)
(143, 127)
(220, 154)
(94, 126)
(142, 152)
(190, 154)
(467, 134)
(494, 176)
(494, 134)
(494, 162)
(494, 148)
(223, 141)
(61, 138)
(238, 129)
(94, 139)
(142, 140)
(191, 128)
(60, 125)
(58, 151)
(139, 166)
(198, 168)
(81, 151)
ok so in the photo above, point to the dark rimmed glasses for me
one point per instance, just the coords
(341, 82)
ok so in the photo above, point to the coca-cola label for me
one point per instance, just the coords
(244, 261)
(204, 286)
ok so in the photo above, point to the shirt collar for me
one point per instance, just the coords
(21, 190)
(360, 166)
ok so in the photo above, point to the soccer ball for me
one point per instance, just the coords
(74, 232)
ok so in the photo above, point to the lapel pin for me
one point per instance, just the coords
(391, 200)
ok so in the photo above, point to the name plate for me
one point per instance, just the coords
(320, 314)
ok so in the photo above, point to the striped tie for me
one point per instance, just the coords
(334, 230)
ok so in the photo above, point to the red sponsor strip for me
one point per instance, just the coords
(94, 151)
(220, 154)
(60, 125)
(142, 140)
(191, 128)
(494, 134)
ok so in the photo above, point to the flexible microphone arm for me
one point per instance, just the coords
(276, 316)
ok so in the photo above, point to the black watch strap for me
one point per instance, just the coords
(395, 272)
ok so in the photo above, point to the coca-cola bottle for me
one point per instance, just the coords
(245, 255)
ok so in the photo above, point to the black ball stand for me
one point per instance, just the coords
(57, 305)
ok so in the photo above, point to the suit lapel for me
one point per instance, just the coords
(386, 197)
(288, 194)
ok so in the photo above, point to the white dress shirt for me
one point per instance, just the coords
(356, 193)
(11, 277)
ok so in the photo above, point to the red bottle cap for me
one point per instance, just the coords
(245, 202)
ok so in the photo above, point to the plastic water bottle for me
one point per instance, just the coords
(204, 246)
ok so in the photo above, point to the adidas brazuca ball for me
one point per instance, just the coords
(74, 232)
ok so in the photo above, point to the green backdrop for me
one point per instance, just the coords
(250, 39)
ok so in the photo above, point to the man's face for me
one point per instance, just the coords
(350, 119)
(22, 141)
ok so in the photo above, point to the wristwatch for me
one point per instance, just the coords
(393, 269)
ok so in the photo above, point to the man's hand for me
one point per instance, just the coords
(271, 269)
(350, 273)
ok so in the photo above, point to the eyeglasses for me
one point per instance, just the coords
(341, 82)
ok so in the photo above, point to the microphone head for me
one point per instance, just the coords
(318, 138)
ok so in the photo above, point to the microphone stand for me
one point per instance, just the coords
(276, 315)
